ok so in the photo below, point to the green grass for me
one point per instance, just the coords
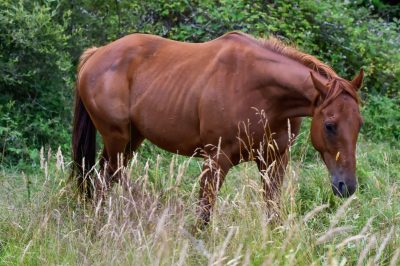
(43, 223)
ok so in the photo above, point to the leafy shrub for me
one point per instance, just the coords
(35, 78)
(381, 119)
(9, 133)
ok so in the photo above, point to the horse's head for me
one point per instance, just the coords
(335, 125)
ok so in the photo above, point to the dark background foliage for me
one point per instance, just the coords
(40, 43)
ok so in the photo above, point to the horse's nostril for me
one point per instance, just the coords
(341, 187)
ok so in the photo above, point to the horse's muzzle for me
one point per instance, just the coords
(342, 188)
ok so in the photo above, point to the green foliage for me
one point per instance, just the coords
(386, 9)
(9, 133)
(381, 119)
(35, 78)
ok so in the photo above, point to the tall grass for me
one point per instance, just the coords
(148, 220)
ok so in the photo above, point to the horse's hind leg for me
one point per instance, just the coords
(135, 141)
(112, 161)
(118, 150)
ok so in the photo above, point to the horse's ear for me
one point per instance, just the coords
(358, 80)
(319, 86)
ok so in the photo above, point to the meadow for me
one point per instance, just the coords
(149, 220)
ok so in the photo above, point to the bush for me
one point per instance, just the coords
(35, 78)
(381, 119)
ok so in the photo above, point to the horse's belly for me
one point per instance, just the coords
(172, 129)
(172, 139)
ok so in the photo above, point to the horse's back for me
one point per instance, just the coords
(178, 95)
(149, 81)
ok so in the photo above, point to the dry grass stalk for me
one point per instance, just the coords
(198, 244)
(237, 257)
(367, 248)
(341, 211)
(355, 238)
(60, 160)
(219, 257)
(383, 244)
(246, 260)
(269, 260)
(314, 212)
(367, 226)
(183, 254)
(42, 159)
(332, 233)
(25, 251)
(395, 258)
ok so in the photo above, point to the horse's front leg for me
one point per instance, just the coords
(272, 171)
(211, 180)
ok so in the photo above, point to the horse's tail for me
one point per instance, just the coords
(83, 137)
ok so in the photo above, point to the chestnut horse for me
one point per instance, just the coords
(225, 100)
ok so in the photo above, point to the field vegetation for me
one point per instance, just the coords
(149, 218)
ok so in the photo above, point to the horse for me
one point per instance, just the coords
(227, 100)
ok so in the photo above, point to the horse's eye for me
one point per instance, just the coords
(330, 128)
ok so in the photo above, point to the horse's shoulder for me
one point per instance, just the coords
(239, 39)
(234, 47)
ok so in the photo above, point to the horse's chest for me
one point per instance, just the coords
(284, 132)
(280, 134)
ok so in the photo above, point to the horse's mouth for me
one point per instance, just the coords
(343, 189)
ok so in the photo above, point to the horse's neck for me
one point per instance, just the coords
(296, 92)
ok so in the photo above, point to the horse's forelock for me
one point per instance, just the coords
(337, 86)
